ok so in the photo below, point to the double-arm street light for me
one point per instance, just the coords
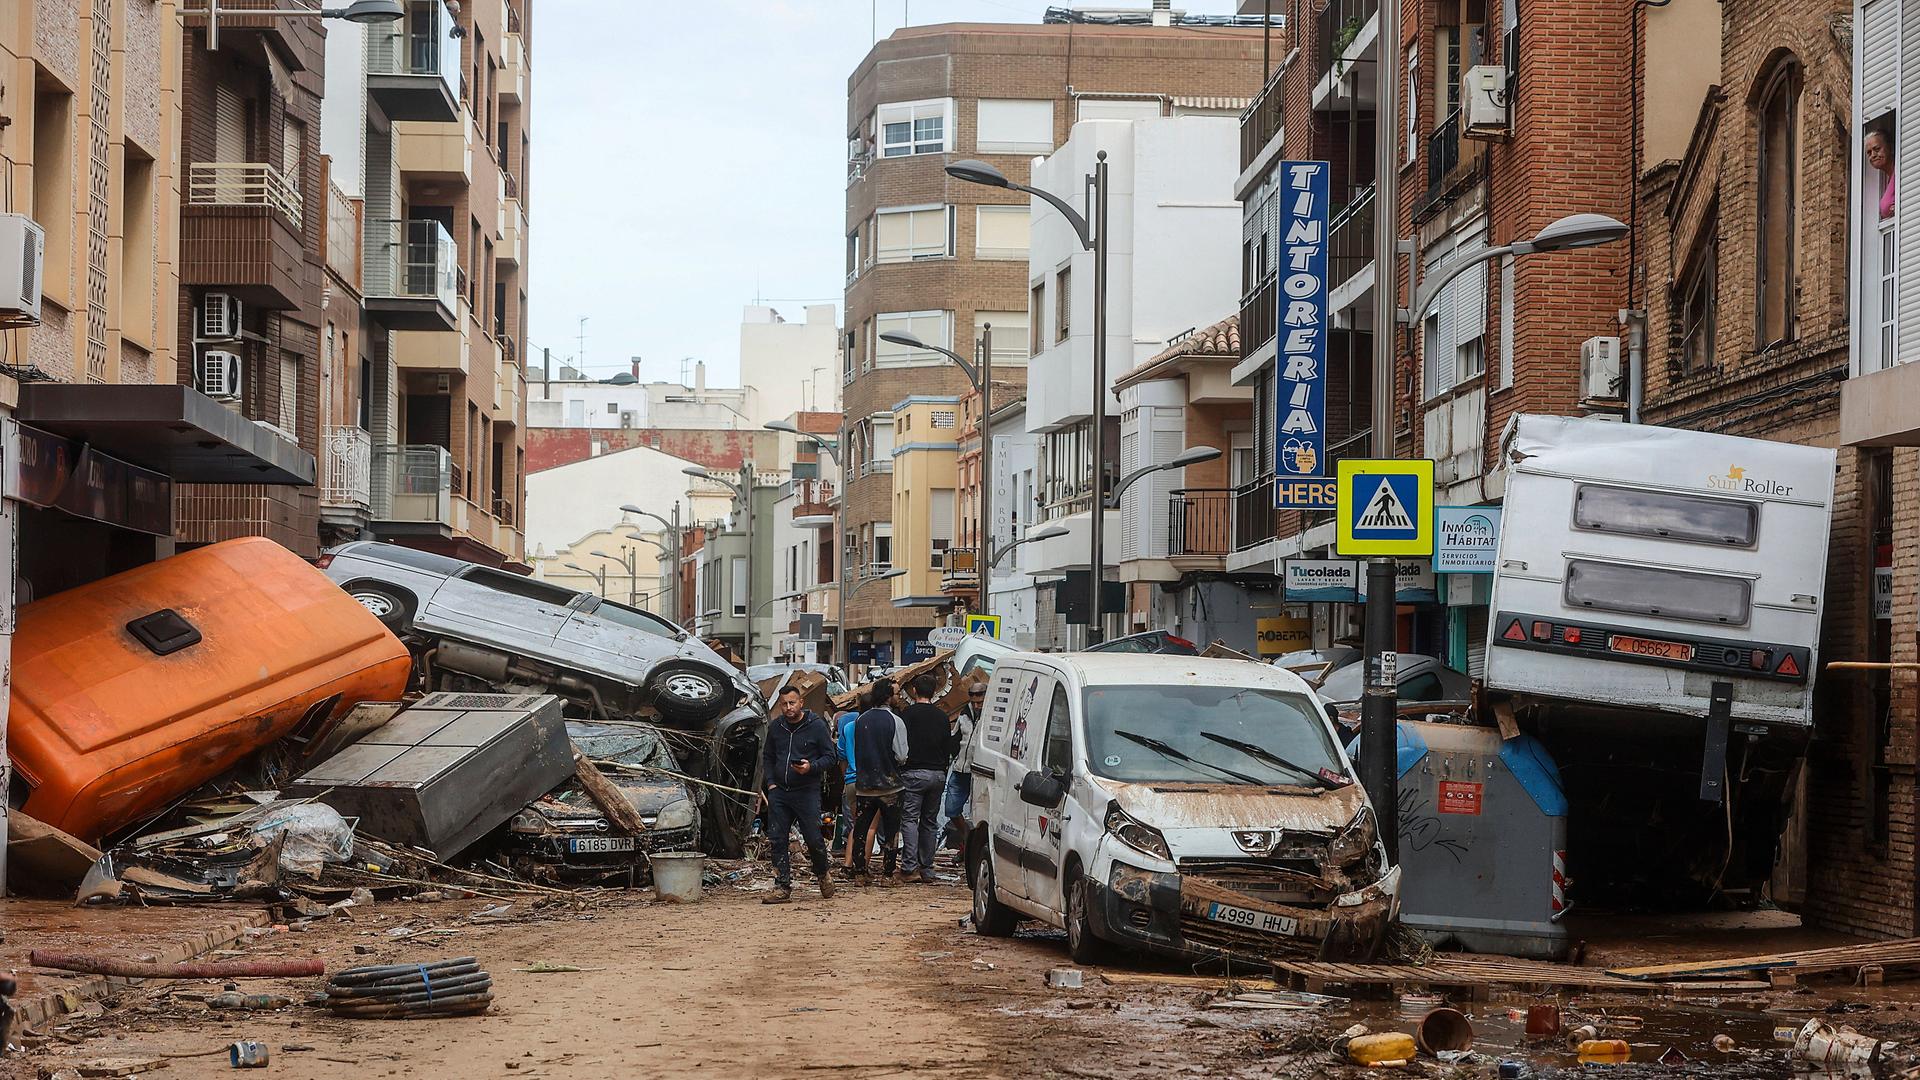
(629, 560)
(1044, 532)
(744, 492)
(831, 448)
(360, 11)
(671, 548)
(1192, 455)
(1093, 237)
(599, 577)
(980, 374)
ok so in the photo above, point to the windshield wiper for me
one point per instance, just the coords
(1181, 756)
(1271, 758)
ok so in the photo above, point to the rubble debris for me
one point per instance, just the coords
(315, 833)
(1444, 1029)
(233, 999)
(247, 1054)
(1064, 979)
(1386, 1049)
(411, 991)
(1820, 1043)
(142, 969)
(620, 813)
(46, 859)
(1603, 1051)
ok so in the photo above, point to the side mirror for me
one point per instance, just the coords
(1042, 789)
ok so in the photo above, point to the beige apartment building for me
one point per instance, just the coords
(938, 258)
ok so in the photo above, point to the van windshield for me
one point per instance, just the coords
(1183, 733)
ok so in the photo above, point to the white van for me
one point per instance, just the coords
(1176, 804)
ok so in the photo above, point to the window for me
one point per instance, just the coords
(293, 136)
(940, 525)
(914, 127)
(519, 585)
(1695, 314)
(1001, 232)
(883, 545)
(288, 416)
(1010, 334)
(53, 143)
(1057, 755)
(737, 594)
(853, 254)
(1775, 228)
(1669, 594)
(636, 619)
(1013, 127)
(919, 233)
(137, 257)
(1292, 727)
(1037, 319)
(846, 358)
(1690, 518)
(1063, 303)
(1507, 322)
(1412, 84)
(1454, 338)
(931, 327)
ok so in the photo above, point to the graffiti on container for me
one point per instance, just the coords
(1420, 826)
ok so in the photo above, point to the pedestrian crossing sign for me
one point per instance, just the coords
(1385, 508)
(984, 625)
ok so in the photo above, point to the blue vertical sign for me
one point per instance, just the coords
(1300, 470)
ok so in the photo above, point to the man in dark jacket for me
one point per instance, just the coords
(879, 745)
(796, 753)
(923, 776)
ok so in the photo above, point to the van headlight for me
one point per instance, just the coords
(676, 815)
(1354, 839)
(1135, 835)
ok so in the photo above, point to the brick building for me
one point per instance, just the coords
(936, 257)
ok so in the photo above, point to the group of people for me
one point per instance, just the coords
(907, 771)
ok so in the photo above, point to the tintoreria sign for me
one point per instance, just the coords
(1301, 480)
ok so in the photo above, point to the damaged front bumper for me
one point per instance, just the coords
(1192, 916)
(597, 854)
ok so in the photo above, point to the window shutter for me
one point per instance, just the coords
(1878, 41)
(940, 517)
(1907, 200)
(1004, 231)
(895, 236)
(1130, 546)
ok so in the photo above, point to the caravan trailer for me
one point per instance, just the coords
(1655, 623)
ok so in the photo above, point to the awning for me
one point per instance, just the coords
(174, 430)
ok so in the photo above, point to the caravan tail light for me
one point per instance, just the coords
(1571, 635)
(1542, 631)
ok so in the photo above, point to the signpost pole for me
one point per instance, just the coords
(1378, 735)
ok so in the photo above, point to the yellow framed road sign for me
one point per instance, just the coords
(1385, 507)
(986, 625)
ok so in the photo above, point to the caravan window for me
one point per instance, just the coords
(1691, 518)
(1670, 594)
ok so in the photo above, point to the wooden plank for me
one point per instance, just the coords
(1899, 953)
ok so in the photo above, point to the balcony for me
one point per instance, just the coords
(343, 235)
(240, 231)
(434, 151)
(1443, 154)
(513, 227)
(1257, 315)
(419, 482)
(813, 503)
(1262, 120)
(513, 55)
(960, 571)
(413, 65)
(432, 350)
(346, 470)
(1350, 241)
(1345, 49)
(1253, 514)
(1200, 523)
(411, 275)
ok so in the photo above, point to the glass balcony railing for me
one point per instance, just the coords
(1337, 25)
(418, 260)
(418, 482)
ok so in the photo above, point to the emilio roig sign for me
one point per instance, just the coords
(1300, 388)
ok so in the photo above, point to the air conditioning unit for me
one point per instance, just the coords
(219, 317)
(217, 374)
(1600, 369)
(20, 277)
(630, 418)
(1486, 105)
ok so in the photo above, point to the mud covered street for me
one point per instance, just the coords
(875, 982)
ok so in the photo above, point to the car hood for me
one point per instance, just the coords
(1197, 819)
(647, 797)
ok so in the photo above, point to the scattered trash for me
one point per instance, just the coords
(1820, 1043)
(1388, 1048)
(1543, 1021)
(247, 1054)
(1604, 1051)
(495, 911)
(411, 991)
(676, 876)
(982, 964)
(1673, 1057)
(316, 835)
(1785, 1033)
(137, 969)
(121, 1066)
(1723, 1043)
(1415, 1006)
(1064, 978)
(1583, 1033)
(541, 967)
(1444, 1029)
(1512, 1070)
(234, 999)
(1274, 999)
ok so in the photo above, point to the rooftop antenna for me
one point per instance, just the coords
(581, 361)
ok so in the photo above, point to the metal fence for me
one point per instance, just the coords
(348, 464)
(243, 183)
(1200, 522)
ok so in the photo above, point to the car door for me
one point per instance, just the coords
(1024, 722)
(1052, 753)
(600, 635)
(493, 607)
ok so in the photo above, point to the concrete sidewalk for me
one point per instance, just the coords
(166, 935)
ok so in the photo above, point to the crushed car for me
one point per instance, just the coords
(563, 834)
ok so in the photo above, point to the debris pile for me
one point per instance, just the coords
(411, 991)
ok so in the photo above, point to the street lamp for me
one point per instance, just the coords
(1093, 238)
(630, 559)
(1045, 532)
(981, 376)
(744, 492)
(1570, 233)
(359, 11)
(673, 542)
(599, 577)
(1192, 455)
(832, 450)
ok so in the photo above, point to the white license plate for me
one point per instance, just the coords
(1253, 920)
(592, 844)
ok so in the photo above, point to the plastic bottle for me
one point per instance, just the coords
(1389, 1046)
(1605, 1051)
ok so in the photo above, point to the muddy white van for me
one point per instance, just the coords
(1174, 804)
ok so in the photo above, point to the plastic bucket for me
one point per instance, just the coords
(1444, 1029)
(676, 876)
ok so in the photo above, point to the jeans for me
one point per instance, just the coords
(919, 818)
(787, 807)
(843, 821)
(886, 808)
(959, 790)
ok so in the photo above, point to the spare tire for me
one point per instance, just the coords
(690, 693)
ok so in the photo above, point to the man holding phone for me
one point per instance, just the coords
(796, 753)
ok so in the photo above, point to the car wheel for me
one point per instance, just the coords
(391, 606)
(1083, 947)
(991, 918)
(689, 693)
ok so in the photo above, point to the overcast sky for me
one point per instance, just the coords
(690, 157)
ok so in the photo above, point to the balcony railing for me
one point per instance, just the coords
(418, 259)
(1261, 121)
(960, 570)
(343, 234)
(513, 19)
(812, 499)
(1200, 522)
(419, 480)
(243, 183)
(509, 185)
(1350, 244)
(1337, 26)
(1253, 514)
(1257, 315)
(1443, 152)
(347, 479)
(423, 43)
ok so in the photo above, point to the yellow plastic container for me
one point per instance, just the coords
(1605, 1051)
(1379, 1049)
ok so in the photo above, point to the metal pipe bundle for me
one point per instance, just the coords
(410, 991)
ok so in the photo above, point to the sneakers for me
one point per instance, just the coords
(781, 894)
(826, 886)
(928, 877)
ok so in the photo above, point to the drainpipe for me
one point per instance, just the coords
(1635, 320)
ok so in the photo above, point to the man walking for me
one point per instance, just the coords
(879, 745)
(929, 740)
(960, 773)
(794, 755)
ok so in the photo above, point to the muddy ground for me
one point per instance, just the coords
(876, 982)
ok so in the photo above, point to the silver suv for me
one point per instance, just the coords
(513, 632)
